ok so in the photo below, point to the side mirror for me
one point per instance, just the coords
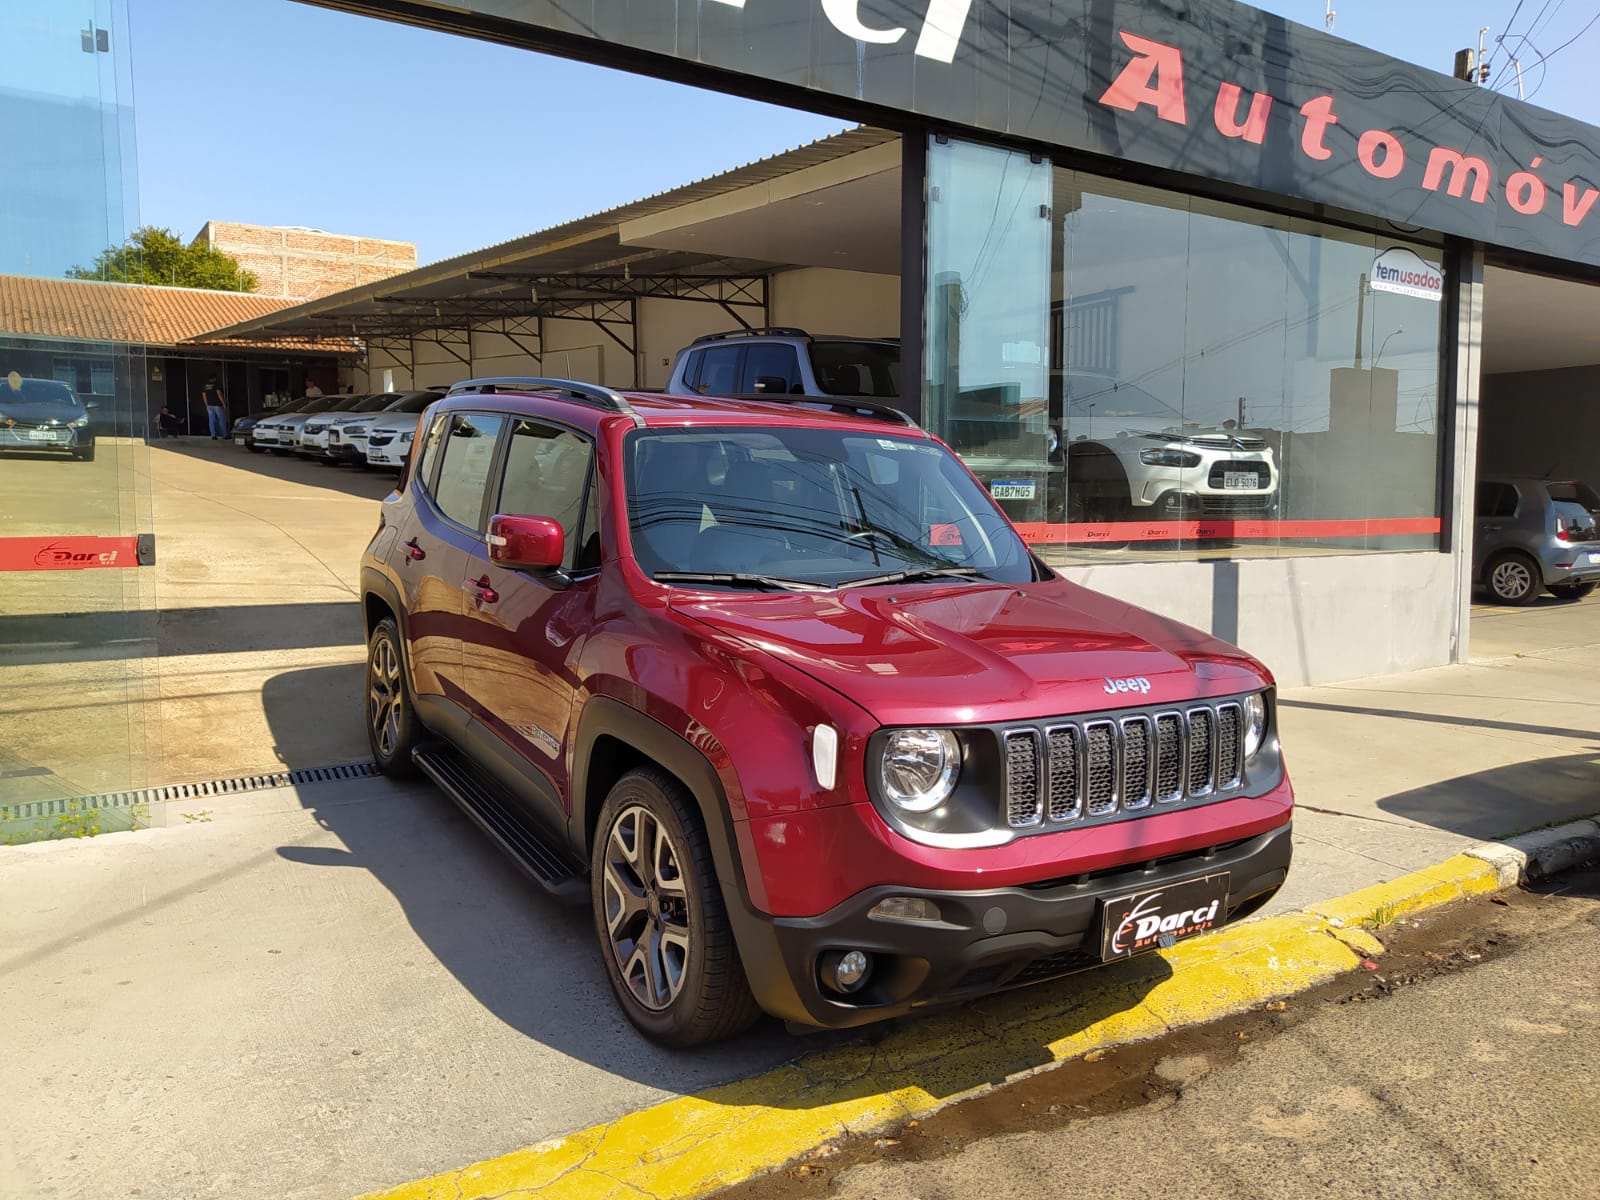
(772, 385)
(526, 543)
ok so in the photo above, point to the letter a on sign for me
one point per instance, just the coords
(1155, 77)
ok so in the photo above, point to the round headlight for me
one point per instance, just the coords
(920, 767)
(1255, 724)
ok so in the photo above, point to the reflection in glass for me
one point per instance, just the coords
(988, 271)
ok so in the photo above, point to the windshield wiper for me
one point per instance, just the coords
(740, 579)
(914, 574)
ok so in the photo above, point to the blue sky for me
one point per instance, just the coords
(280, 113)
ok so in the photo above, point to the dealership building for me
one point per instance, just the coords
(1112, 238)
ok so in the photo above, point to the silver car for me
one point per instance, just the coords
(1534, 534)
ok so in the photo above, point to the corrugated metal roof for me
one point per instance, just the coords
(131, 314)
(573, 246)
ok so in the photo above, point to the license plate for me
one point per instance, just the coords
(1012, 489)
(239, 441)
(1239, 479)
(1594, 559)
(1159, 917)
(43, 435)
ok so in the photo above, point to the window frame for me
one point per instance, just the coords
(430, 483)
(497, 482)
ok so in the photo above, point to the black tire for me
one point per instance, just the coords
(1573, 591)
(86, 454)
(391, 720)
(252, 447)
(660, 919)
(1513, 578)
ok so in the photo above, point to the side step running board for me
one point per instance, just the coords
(485, 801)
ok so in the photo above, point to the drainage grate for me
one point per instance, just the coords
(187, 791)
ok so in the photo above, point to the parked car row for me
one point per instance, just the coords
(364, 430)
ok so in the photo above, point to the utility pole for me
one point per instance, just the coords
(1327, 20)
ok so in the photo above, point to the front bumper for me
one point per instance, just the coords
(986, 941)
(49, 437)
(390, 454)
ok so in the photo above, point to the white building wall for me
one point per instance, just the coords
(845, 302)
(1315, 619)
(497, 354)
(667, 326)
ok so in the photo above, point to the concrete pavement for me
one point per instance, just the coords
(321, 990)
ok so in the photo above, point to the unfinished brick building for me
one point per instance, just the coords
(305, 264)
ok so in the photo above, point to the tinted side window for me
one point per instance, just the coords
(770, 362)
(468, 455)
(546, 469)
(719, 371)
(1496, 499)
(428, 449)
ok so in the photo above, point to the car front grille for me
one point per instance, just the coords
(379, 439)
(1099, 768)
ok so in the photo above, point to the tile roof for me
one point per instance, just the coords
(135, 314)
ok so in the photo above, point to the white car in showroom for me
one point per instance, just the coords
(347, 436)
(389, 435)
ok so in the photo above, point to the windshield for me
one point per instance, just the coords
(38, 391)
(374, 403)
(857, 368)
(807, 507)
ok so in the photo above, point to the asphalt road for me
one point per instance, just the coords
(1475, 1082)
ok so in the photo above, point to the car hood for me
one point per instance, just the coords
(964, 653)
(393, 421)
(41, 414)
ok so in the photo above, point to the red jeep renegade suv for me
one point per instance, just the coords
(776, 689)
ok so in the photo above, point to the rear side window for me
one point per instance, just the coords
(547, 469)
(719, 372)
(1496, 499)
(467, 457)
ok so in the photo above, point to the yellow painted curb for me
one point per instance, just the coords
(692, 1145)
(1462, 875)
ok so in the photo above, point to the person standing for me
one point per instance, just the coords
(312, 389)
(216, 409)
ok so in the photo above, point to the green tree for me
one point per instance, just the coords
(155, 255)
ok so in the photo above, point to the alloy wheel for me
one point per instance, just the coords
(384, 697)
(1511, 579)
(646, 907)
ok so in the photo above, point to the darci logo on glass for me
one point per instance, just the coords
(941, 28)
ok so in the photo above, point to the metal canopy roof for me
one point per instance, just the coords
(578, 270)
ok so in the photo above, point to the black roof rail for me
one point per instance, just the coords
(591, 394)
(764, 331)
(849, 406)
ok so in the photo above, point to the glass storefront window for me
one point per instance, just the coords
(1218, 380)
(987, 369)
(77, 646)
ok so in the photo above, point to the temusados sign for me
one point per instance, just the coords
(1211, 88)
(1406, 273)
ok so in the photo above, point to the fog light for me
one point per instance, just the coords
(905, 908)
(846, 971)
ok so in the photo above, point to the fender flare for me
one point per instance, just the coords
(603, 716)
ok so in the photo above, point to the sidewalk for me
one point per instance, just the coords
(321, 991)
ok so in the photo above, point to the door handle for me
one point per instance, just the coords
(414, 552)
(481, 588)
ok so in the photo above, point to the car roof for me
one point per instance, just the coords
(657, 410)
